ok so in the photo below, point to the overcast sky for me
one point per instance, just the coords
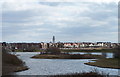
(73, 20)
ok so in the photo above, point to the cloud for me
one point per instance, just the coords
(38, 21)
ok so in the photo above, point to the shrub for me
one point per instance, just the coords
(53, 50)
(116, 53)
(84, 74)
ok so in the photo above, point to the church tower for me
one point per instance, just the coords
(53, 39)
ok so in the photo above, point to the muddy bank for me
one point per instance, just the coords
(11, 63)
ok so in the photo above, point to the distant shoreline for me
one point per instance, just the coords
(73, 50)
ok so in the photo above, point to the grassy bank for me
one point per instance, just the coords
(55, 53)
(84, 74)
(106, 63)
(67, 56)
(20, 50)
(11, 63)
(87, 50)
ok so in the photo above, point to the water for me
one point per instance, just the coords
(57, 66)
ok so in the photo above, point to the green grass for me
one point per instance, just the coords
(106, 63)
(86, 50)
(20, 50)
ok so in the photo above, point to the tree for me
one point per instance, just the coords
(53, 50)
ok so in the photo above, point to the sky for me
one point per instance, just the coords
(67, 20)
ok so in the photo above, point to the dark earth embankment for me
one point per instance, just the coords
(11, 63)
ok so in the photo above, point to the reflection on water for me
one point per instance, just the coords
(108, 55)
(57, 66)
